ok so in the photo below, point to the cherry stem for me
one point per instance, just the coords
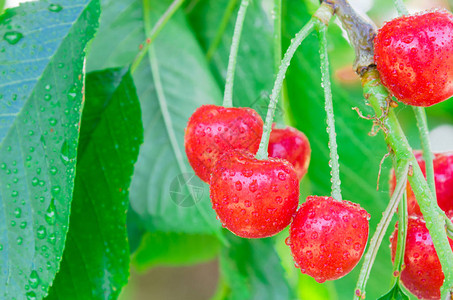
(422, 124)
(325, 83)
(322, 15)
(400, 7)
(221, 30)
(155, 72)
(381, 228)
(228, 94)
(154, 32)
(277, 38)
(401, 243)
(300, 36)
(378, 96)
(428, 156)
(295, 43)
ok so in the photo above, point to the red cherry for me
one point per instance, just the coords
(212, 130)
(443, 177)
(254, 198)
(328, 237)
(414, 56)
(290, 144)
(422, 272)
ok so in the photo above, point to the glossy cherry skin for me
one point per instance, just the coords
(443, 177)
(327, 237)
(290, 144)
(414, 56)
(422, 272)
(213, 130)
(254, 198)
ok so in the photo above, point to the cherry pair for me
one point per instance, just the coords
(252, 198)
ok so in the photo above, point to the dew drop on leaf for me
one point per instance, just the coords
(17, 212)
(31, 296)
(53, 170)
(41, 232)
(50, 213)
(52, 121)
(68, 152)
(52, 238)
(19, 241)
(55, 7)
(34, 279)
(13, 37)
(72, 94)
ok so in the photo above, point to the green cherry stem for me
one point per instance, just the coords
(422, 124)
(428, 156)
(400, 7)
(228, 94)
(401, 243)
(277, 41)
(377, 96)
(323, 13)
(325, 76)
(300, 36)
(154, 32)
(156, 75)
(381, 228)
(277, 37)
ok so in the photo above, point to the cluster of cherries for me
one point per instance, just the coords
(422, 272)
(256, 198)
(414, 56)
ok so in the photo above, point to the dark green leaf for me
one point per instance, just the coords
(359, 153)
(252, 270)
(396, 293)
(172, 81)
(171, 249)
(96, 258)
(41, 78)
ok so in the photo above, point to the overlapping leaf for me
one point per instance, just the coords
(41, 79)
(172, 81)
(96, 258)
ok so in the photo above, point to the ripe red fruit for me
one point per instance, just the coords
(422, 272)
(443, 176)
(414, 56)
(212, 130)
(327, 237)
(290, 144)
(254, 198)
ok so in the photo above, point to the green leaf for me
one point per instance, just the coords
(96, 258)
(360, 154)
(173, 249)
(41, 80)
(172, 81)
(396, 293)
(2, 5)
(252, 270)
(254, 75)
